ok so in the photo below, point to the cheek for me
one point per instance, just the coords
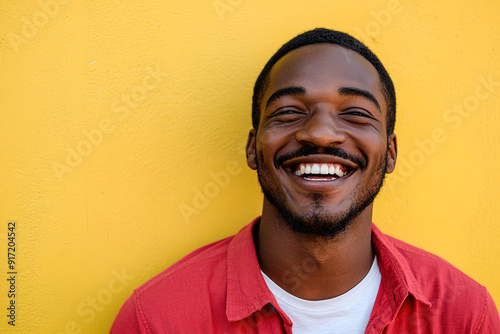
(371, 142)
(269, 143)
(268, 138)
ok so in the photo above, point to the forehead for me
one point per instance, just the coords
(321, 67)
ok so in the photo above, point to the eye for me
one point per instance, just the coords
(358, 113)
(284, 112)
(286, 115)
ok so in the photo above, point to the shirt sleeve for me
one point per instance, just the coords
(491, 320)
(129, 319)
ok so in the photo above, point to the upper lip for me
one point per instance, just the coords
(319, 158)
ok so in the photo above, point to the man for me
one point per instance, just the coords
(322, 141)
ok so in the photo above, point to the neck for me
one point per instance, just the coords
(312, 267)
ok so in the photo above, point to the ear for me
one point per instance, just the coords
(250, 149)
(392, 153)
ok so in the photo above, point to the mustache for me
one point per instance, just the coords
(330, 150)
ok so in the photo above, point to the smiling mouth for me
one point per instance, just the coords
(321, 171)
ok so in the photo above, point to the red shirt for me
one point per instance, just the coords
(219, 289)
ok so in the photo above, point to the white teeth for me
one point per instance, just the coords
(315, 169)
(320, 169)
(324, 169)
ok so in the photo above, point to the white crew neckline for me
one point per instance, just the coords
(327, 305)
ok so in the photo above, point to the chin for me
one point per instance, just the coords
(320, 224)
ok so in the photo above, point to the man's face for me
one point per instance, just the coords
(321, 150)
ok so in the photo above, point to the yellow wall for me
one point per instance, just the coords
(97, 217)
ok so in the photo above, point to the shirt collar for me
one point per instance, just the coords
(247, 291)
(397, 276)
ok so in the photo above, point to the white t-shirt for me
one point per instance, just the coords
(347, 314)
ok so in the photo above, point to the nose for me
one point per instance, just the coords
(321, 130)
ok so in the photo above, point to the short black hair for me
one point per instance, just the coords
(324, 36)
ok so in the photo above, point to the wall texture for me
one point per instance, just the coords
(123, 123)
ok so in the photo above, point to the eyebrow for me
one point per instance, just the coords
(294, 90)
(351, 91)
(345, 91)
